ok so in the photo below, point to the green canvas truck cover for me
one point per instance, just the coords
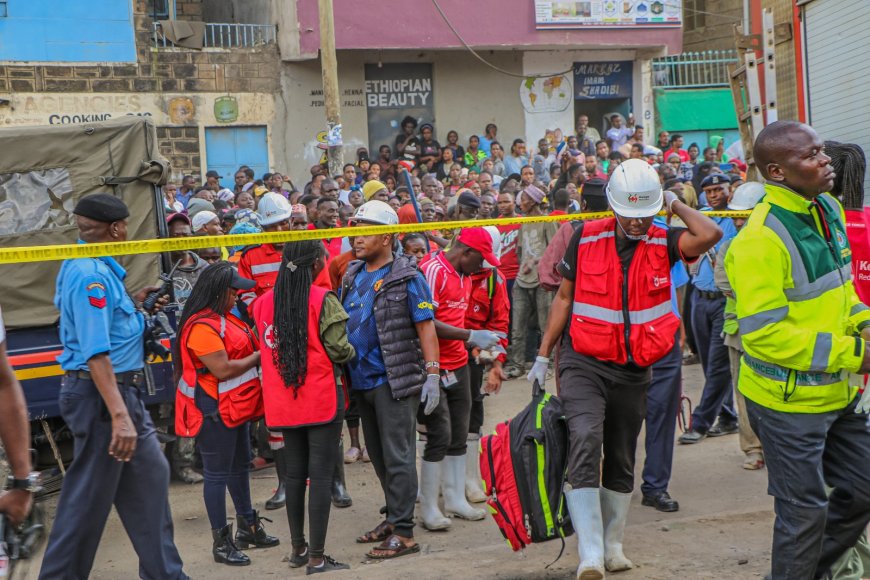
(44, 171)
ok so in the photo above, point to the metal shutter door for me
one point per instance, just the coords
(837, 45)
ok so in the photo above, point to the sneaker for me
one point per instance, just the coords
(352, 455)
(692, 436)
(299, 560)
(328, 565)
(188, 475)
(720, 429)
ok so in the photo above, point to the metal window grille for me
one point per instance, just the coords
(694, 69)
(218, 35)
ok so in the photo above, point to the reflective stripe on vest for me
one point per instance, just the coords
(803, 288)
(781, 374)
(257, 269)
(616, 317)
(230, 384)
(186, 389)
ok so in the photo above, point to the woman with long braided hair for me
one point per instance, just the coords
(304, 339)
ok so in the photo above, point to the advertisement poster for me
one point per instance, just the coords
(608, 13)
(393, 91)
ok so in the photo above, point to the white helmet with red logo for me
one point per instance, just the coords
(634, 190)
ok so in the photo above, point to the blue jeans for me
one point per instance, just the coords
(226, 457)
(803, 453)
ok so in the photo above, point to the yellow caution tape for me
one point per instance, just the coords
(69, 251)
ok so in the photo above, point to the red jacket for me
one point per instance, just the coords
(260, 264)
(488, 306)
(598, 325)
(315, 402)
(239, 399)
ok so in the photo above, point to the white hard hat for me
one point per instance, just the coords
(375, 212)
(746, 196)
(273, 208)
(496, 243)
(634, 190)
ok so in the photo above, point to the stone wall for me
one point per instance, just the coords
(181, 146)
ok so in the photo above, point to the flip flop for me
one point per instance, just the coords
(396, 546)
(381, 533)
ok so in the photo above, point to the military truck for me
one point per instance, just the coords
(44, 171)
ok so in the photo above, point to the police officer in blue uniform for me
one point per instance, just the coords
(708, 318)
(117, 459)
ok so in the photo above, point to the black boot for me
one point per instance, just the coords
(224, 550)
(278, 500)
(248, 536)
(340, 497)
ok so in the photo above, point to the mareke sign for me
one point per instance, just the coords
(603, 80)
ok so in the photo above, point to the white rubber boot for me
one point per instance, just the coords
(453, 479)
(473, 481)
(421, 446)
(614, 513)
(584, 505)
(430, 480)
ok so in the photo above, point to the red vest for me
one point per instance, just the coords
(859, 241)
(260, 264)
(316, 401)
(598, 326)
(239, 399)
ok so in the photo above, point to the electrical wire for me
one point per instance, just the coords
(486, 62)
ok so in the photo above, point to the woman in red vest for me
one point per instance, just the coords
(304, 398)
(218, 394)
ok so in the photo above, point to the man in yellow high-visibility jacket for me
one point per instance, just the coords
(804, 331)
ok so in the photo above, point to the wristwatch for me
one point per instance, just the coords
(30, 483)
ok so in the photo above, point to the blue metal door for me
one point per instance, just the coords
(228, 148)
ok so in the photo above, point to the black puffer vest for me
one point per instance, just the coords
(400, 345)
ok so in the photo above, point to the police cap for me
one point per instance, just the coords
(715, 179)
(102, 207)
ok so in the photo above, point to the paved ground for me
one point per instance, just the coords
(722, 530)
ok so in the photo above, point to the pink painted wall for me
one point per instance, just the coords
(497, 24)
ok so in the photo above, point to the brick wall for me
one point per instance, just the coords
(181, 146)
(163, 70)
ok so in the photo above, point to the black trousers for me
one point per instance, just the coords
(447, 425)
(389, 428)
(601, 413)
(476, 373)
(311, 453)
(803, 453)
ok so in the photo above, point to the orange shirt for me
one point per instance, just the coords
(204, 340)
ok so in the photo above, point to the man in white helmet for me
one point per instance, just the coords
(392, 329)
(613, 310)
(743, 198)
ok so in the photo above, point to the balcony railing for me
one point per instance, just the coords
(218, 35)
(694, 69)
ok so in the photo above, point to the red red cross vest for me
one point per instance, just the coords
(598, 323)
(316, 400)
(857, 222)
(239, 399)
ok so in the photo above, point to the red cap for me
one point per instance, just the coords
(480, 240)
(177, 216)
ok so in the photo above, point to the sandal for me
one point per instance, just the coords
(352, 455)
(380, 534)
(395, 546)
(753, 461)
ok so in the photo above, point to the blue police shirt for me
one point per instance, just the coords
(97, 315)
(367, 369)
(679, 275)
(703, 280)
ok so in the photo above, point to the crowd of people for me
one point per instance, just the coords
(403, 335)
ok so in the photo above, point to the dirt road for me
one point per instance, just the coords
(722, 530)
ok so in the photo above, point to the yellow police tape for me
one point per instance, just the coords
(69, 251)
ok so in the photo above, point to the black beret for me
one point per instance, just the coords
(468, 199)
(715, 179)
(102, 207)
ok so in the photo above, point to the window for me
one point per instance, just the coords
(694, 14)
(159, 9)
(3, 9)
(37, 200)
